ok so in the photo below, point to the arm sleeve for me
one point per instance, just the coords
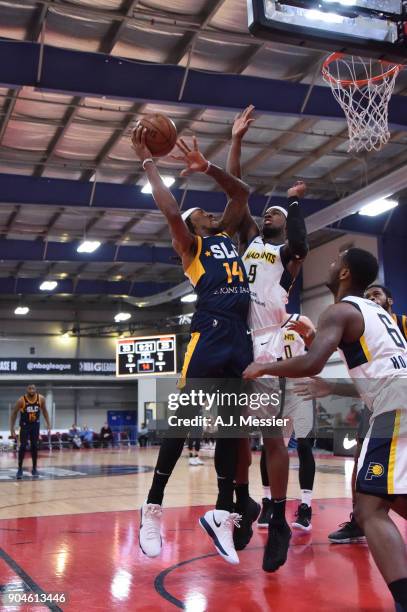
(296, 231)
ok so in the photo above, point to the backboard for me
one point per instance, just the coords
(369, 28)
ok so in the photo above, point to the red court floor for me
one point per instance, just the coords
(95, 559)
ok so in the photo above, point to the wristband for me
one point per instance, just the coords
(149, 160)
(207, 168)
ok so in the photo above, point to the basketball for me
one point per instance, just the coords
(161, 134)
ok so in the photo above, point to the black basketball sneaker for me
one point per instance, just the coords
(276, 549)
(303, 518)
(249, 513)
(348, 533)
(265, 514)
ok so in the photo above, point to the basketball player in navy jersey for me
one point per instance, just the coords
(273, 257)
(30, 407)
(220, 346)
(375, 353)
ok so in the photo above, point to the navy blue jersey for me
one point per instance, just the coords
(219, 277)
(30, 412)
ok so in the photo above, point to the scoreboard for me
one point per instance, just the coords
(146, 355)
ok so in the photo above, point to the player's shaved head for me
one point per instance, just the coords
(363, 267)
(355, 268)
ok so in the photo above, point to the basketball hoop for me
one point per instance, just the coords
(363, 87)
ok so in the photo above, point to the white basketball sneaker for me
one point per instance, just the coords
(150, 529)
(219, 525)
(198, 461)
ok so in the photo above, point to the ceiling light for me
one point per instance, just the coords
(378, 207)
(167, 180)
(122, 316)
(141, 304)
(190, 297)
(88, 246)
(65, 335)
(48, 285)
(21, 310)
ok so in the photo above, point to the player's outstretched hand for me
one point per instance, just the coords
(305, 328)
(298, 190)
(138, 140)
(192, 158)
(313, 388)
(242, 122)
(254, 370)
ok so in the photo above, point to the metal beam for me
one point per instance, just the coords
(96, 74)
(53, 221)
(35, 26)
(189, 39)
(381, 168)
(390, 183)
(116, 29)
(113, 140)
(30, 286)
(58, 136)
(37, 250)
(10, 221)
(277, 145)
(94, 221)
(112, 196)
(8, 112)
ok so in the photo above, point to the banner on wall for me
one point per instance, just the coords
(74, 367)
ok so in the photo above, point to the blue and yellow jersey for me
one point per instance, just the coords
(219, 277)
(31, 411)
(401, 322)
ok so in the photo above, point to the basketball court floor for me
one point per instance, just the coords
(75, 531)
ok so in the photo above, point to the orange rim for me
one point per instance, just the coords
(360, 82)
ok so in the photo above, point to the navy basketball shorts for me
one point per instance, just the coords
(220, 347)
(382, 465)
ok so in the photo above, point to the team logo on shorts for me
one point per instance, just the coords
(375, 470)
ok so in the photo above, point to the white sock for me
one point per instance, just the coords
(266, 492)
(306, 497)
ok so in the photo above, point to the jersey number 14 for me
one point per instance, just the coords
(235, 270)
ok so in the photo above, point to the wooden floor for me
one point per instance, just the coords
(78, 535)
(189, 486)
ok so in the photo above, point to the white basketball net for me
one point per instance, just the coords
(363, 88)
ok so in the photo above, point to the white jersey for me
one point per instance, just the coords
(377, 362)
(269, 284)
(292, 343)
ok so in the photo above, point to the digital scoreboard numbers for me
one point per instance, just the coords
(147, 355)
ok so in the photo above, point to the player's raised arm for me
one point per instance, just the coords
(296, 248)
(183, 241)
(241, 124)
(236, 190)
(330, 331)
(248, 227)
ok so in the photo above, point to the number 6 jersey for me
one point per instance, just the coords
(380, 355)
